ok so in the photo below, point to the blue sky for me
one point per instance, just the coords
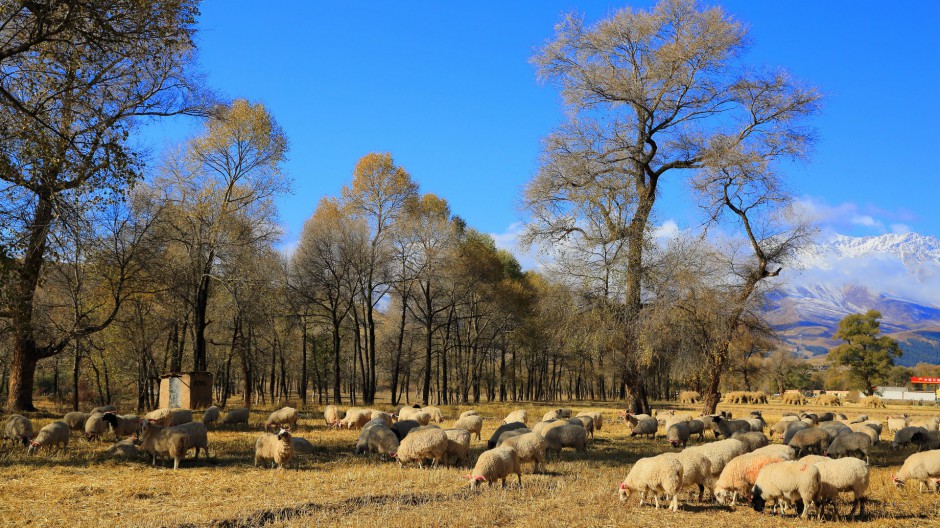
(447, 88)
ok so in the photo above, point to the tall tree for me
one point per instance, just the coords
(649, 93)
(868, 354)
(77, 77)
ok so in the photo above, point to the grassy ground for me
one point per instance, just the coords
(82, 487)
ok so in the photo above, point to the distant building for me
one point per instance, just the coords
(901, 393)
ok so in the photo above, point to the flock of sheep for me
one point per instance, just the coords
(814, 464)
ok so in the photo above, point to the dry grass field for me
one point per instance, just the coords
(83, 487)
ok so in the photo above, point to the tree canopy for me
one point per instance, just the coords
(868, 354)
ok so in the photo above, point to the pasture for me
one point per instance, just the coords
(333, 487)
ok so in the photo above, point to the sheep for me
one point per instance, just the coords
(558, 438)
(236, 416)
(793, 399)
(873, 402)
(552, 415)
(896, 424)
(211, 415)
(276, 448)
(54, 434)
(786, 481)
(930, 424)
(815, 438)
(437, 416)
(810, 418)
(76, 420)
(927, 441)
(757, 424)
(751, 440)
(814, 459)
(690, 397)
(161, 442)
(103, 409)
(825, 417)
(646, 427)
(564, 413)
(663, 417)
(530, 447)
(301, 445)
(678, 433)
(835, 429)
(584, 421)
(903, 436)
(180, 416)
(846, 444)
(511, 434)
(696, 471)
(789, 417)
(543, 427)
(598, 418)
(697, 427)
(659, 475)
(739, 475)
(403, 427)
(847, 474)
(474, 424)
(384, 417)
(726, 428)
(471, 412)
(458, 445)
(421, 444)
(122, 425)
(876, 425)
(198, 437)
(357, 418)
(720, 453)
(285, 417)
(793, 428)
(518, 415)
(828, 399)
(376, 437)
(170, 417)
(777, 450)
(921, 467)
(865, 429)
(95, 426)
(18, 429)
(860, 418)
(495, 464)
(332, 415)
(408, 413)
(126, 448)
(492, 442)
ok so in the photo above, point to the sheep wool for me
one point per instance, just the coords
(552, 415)
(849, 444)
(519, 415)
(584, 421)
(921, 467)
(458, 446)
(597, 416)
(657, 475)
(543, 427)
(678, 433)
(76, 420)
(696, 471)
(752, 440)
(17, 429)
(164, 442)
(357, 418)
(530, 447)
(511, 434)
(54, 434)
(905, 435)
(645, 427)
(211, 415)
(814, 459)
(793, 482)
(437, 416)
(776, 450)
(276, 448)
(236, 416)
(301, 445)
(422, 444)
(403, 427)
(739, 475)
(896, 424)
(384, 417)
(95, 426)
(720, 453)
(197, 437)
(473, 423)
(376, 437)
(285, 417)
(332, 415)
(496, 464)
(103, 409)
(567, 435)
(471, 412)
(122, 425)
(845, 474)
(816, 439)
(126, 448)
(511, 426)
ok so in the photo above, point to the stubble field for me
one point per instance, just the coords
(333, 487)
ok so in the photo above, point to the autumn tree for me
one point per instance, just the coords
(649, 93)
(78, 76)
(868, 354)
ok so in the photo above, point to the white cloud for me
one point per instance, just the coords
(668, 230)
(509, 240)
(900, 228)
(849, 217)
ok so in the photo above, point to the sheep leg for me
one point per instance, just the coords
(176, 463)
(734, 497)
(656, 499)
(701, 492)
(520, 478)
(642, 497)
(675, 502)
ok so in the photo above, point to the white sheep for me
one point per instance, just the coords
(657, 475)
(511, 434)
(384, 417)
(406, 413)
(276, 448)
(236, 416)
(458, 445)
(356, 418)
(543, 427)
(76, 420)
(566, 435)
(866, 429)
(793, 482)
(437, 416)
(332, 415)
(814, 459)
(554, 414)
(472, 423)
(54, 434)
(739, 476)
(720, 453)
(162, 442)
(519, 415)
(198, 437)
(17, 429)
(422, 443)
(126, 448)
(496, 464)
(285, 417)
(104, 408)
(597, 416)
(584, 421)
(96, 426)
(752, 440)
(844, 474)
(211, 415)
(376, 437)
(921, 467)
(530, 447)
(696, 471)
(471, 412)
(122, 425)
(776, 450)
(896, 424)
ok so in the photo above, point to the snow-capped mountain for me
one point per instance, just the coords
(896, 274)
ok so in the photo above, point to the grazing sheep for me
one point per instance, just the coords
(103, 409)
(543, 427)
(873, 402)
(790, 417)
(921, 467)
(793, 428)
(810, 418)
(357, 418)
(519, 415)
(645, 427)
(530, 447)
(690, 397)
(511, 426)
(836, 476)
(437, 416)
(678, 433)
(847, 444)
(122, 425)
(930, 424)
(403, 427)
(739, 476)
(95, 426)
(835, 428)
(512, 434)
(126, 448)
(76, 420)
(816, 439)
(825, 417)
(874, 424)
(664, 417)
(903, 436)
(408, 413)
(584, 421)
(236, 416)
(696, 471)
(793, 482)
(164, 442)
(657, 475)
(860, 418)
(757, 424)
(473, 423)
(793, 399)
(276, 448)
(552, 415)
(17, 429)
(458, 446)
(777, 450)
(54, 434)
(332, 415)
(598, 418)
(865, 429)
(896, 424)
(828, 399)
(495, 464)
(697, 427)
(471, 412)
(720, 453)
(170, 417)
(926, 441)
(752, 440)
(726, 428)
(567, 435)
(211, 415)
(376, 437)
(285, 417)
(301, 446)
(198, 437)
(814, 459)
(422, 444)
(384, 417)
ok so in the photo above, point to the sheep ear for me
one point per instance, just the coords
(468, 476)
(480, 478)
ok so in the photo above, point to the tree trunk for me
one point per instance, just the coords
(429, 328)
(199, 315)
(337, 398)
(302, 388)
